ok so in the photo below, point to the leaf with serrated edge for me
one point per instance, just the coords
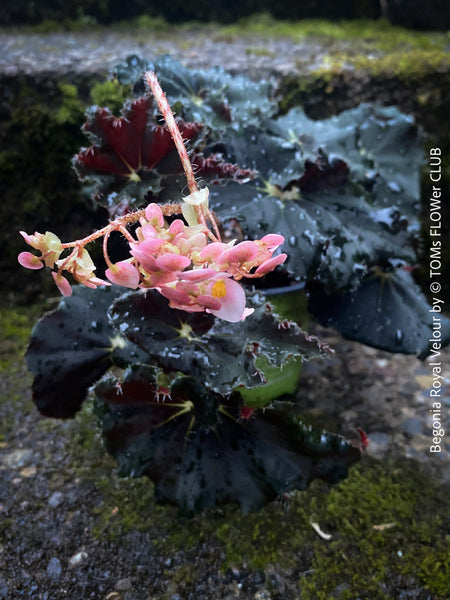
(71, 347)
(129, 152)
(201, 454)
(387, 311)
(219, 353)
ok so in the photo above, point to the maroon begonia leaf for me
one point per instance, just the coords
(321, 174)
(125, 145)
(130, 154)
(216, 165)
(202, 450)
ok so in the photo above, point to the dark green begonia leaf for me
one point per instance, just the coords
(380, 145)
(343, 192)
(329, 233)
(387, 311)
(201, 452)
(131, 71)
(211, 96)
(219, 353)
(71, 347)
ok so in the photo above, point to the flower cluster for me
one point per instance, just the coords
(78, 263)
(186, 263)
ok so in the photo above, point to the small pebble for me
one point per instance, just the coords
(411, 425)
(379, 443)
(55, 499)
(262, 595)
(54, 569)
(28, 472)
(3, 588)
(77, 558)
(17, 459)
(124, 584)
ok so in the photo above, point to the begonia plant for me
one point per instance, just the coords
(178, 337)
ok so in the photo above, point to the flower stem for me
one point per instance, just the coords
(160, 97)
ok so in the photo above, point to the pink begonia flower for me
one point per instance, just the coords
(212, 251)
(160, 257)
(63, 285)
(232, 297)
(272, 240)
(146, 232)
(198, 275)
(176, 227)
(270, 264)
(154, 216)
(209, 302)
(219, 295)
(190, 244)
(94, 282)
(30, 261)
(49, 244)
(144, 254)
(244, 252)
(123, 273)
(169, 262)
(247, 312)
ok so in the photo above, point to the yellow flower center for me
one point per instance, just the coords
(219, 290)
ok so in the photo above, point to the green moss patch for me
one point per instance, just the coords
(384, 520)
(376, 33)
(15, 328)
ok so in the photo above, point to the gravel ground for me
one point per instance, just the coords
(385, 394)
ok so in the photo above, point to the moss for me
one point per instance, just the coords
(15, 401)
(40, 190)
(375, 33)
(274, 535)
(71, 108)
(259, 51)
(15, 326)
(387, 520)
(111, 94)
(146, 23)
(127, 505)
(407, 65)
(47, 122)
(383, 520)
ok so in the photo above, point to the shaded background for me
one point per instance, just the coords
(434, 14)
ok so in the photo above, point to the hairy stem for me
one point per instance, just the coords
(160, 97)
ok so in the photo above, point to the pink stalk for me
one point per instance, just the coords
(166, 111)
(160, 97)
